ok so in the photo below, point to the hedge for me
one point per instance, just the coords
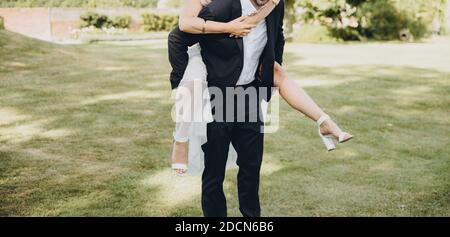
(158, 22)
(102, 21)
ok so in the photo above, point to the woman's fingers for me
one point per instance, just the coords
(241, 34)
(242, 18)
(244, 32)
(251, 25)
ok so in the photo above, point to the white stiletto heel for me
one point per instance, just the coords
(328, 140)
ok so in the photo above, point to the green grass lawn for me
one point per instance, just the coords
(86, 131)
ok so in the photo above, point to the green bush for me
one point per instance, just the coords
(385, 22)
(382, 20)
(158, 22)
(419, 28)
(94, 19)
(102, 21)
(375, 19)
(121, 22)
(2, 24)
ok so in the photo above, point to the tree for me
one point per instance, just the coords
(374, 19)
(290, 18)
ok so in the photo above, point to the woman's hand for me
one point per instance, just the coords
(239, 27)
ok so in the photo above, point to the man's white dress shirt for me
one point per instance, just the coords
(254, 44)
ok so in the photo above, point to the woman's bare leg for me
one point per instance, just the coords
(184, 104)
(295, 96)
(298, 99)
(180, 145)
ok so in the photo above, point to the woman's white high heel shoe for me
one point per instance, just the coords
(328, 140)
(182, 167)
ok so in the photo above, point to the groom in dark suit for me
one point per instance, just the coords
(238, 64)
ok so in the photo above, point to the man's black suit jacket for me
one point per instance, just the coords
(223, 55)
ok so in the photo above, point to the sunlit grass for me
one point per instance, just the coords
(86, 131)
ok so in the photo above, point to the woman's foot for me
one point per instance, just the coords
(180, 157)
(329, 129)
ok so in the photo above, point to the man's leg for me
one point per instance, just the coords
(248, 142)
(216, 154)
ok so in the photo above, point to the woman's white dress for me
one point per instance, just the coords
(193, 112)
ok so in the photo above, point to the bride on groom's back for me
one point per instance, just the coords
(188, 135)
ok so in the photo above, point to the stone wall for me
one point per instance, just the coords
(57, 23)
(33, 22)
(63, 22)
